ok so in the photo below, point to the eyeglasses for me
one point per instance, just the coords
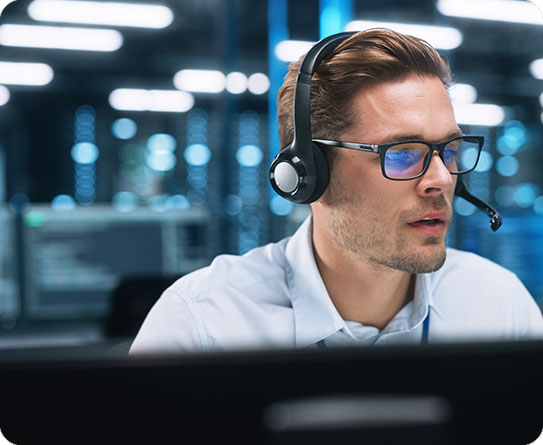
(407, 160)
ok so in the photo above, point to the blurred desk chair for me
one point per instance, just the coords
(131, 301)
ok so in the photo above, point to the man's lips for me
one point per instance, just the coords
(431, 224)
(430, 216)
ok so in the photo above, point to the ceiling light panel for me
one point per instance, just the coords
(200, 81)
(133, 99)
(513, 11)
(60, 37)
(440, 37)
(102, 13)
(488, 115)
(16, 73)
(536, 68)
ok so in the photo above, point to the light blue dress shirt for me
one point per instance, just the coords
(274, 296)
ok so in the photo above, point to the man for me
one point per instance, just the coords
(370, 266)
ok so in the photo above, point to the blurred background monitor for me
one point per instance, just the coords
(10, 303)
(75, 259)
(131, 125)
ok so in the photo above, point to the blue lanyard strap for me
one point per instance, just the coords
(425, 333)
(321, 344)
(425, 329)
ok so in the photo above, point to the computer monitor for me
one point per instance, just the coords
(10, 304)
(74, 259)
(438, 393)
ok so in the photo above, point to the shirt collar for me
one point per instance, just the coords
(314, 313)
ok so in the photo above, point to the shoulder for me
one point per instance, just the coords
(225, 303)
(473, 291)
(261, 265)
(470, 268)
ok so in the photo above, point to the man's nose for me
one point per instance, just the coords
(437, 178)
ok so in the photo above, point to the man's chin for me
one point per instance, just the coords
(424, 261)
(427, 262)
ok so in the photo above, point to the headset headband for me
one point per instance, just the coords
(302, 94)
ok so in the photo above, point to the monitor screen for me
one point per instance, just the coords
(10, 304)
(74, 259)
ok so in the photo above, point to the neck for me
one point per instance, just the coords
(361, 291)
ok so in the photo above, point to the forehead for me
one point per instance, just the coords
(411, 106)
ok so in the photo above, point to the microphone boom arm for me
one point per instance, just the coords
(495, 218)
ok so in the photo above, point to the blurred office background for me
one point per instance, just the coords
(135, 143)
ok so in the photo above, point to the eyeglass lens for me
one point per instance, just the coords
(404, 161)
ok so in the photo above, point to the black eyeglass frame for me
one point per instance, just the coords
(382, 149)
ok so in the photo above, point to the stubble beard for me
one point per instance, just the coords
(371, 240)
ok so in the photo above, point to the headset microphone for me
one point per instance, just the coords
(495, 218)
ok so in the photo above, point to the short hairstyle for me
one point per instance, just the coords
(365, 59)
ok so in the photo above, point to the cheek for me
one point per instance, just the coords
(376, 196)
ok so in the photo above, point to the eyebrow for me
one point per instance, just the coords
(417, 137)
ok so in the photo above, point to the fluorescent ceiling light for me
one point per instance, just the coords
(536, 68)
(59, 37)
(501, 10)
(4, 95)
(290, 50)
(541, 99)
(132, 99)
(101, 13)
(489, 115)
(200, 81)
(236, 83)
(463, 93)
(15, 73)
(440, 37)
(259, 83)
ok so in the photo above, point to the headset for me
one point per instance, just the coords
(300, 171)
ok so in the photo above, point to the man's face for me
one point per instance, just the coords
(378, 219)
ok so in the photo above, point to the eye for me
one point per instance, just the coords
(403, 157)
(449, 153)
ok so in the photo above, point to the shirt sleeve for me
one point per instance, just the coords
(531, 316)
(170, 327)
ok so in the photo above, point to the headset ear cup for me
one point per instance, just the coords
(322, 174)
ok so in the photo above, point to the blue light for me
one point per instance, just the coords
(280, 206)
(330, 21)
(525, 195)
(463, 208)
(177, 202)
(485, 162)
(124, 201)
(161, 142)
(85, 153)
(514, 134)
(505, 195)
(63, 202)
(334, 15)
(19, 202)
(161, 161)
(197, 154)
(249, 155)
(538, 205)
(157, 203)
(504, 148)
(507, 166)
(232, 205)
(124, 128)
(85, 190)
